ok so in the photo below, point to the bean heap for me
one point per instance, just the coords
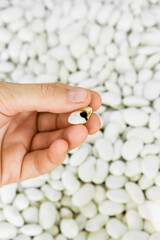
(109, 187)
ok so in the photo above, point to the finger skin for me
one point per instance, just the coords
(74, 135)
(93, 124)
(44, 139)
(51, 148)
(14, 146)
(51, 122)
(41, 162)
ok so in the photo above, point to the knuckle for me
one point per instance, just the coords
(47, 89)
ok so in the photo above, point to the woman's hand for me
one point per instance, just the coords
(35, 135)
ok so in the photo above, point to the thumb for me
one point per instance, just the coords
(43, 97)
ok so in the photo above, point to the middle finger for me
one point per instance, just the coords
(43, 140)
(51, 121)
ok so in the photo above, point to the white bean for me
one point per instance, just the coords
(101, 234)
(135, 192)
(135, 101)
(117, 168)
(13, 216)
(6, 67)
(145, 182)
(21, 201)
(101, 171)
(135, 117)
(22, 237)
(34, 194)
(133, 220)
(11, 14)
(141, 132)
(94, 224)
(70, 182)
(51, 193)
(132, 168)
(150, 166)
(83, 173)
(84, 195)
(125, 22)
(110, 208)
(123, 64)
(111, 99)
(99, 194)
(89, 210)
(7, 230)
(150, 149)
(79, 46)
(47, 215)
(155, 236)
(5, 35)
(149, 207)
(115, 228)
(115, 182)
(104, 14)
(80, 156)
(38, 10)
(8, 193)
(132, 148)
(46, 236)
(104, 149)
(153, 193)
(31, 229)
(30, 214)
(139, 235)
(69, 228)
(151, 90)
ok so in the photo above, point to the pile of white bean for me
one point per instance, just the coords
(108, 188)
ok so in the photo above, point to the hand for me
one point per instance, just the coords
(35, 135)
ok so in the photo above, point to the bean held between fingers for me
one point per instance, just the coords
(80, 116)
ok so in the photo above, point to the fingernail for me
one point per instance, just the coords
(77, 95)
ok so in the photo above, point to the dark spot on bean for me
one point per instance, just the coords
(84, 115)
